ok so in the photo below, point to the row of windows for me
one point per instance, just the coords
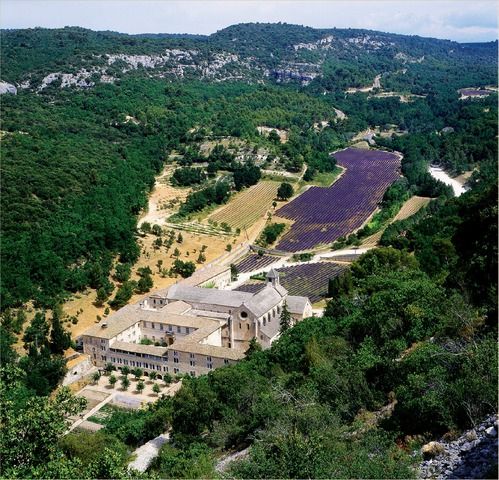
(133, 363)
(270, 315)
(169, 328)
(142, 355)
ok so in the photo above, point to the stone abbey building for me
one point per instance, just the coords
(191, 329)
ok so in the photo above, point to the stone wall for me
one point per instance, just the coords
(78, 370)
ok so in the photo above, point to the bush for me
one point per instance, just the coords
(137, 427)
(184, 269)
(188, 176)
(270, 233)
(89, 447)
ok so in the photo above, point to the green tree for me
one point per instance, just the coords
(253, 347)
(144, 284)
(145, 227)
(123, 294)
(90, 447)
(270, 233)
(196, 461)
(157, 230)
(184, 269)
(109, 368)
(112, 380)
(274, 137)
(122, 272)
(285, 320)
(234, 272)
(30, 432)
(95, 377)
(101, 297)
(36, 333)
(125, 382)
(340, 285)
(156, 389)
(140, 386)
(285, 191)
(60, 339)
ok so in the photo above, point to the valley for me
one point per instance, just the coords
(239, 252)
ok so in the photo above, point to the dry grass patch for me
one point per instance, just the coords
(411, 206)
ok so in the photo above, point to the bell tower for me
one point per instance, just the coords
(273, 278)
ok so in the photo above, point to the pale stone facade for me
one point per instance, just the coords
(191, 329)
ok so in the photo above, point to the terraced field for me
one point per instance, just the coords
(346, 258)
(309, 279)
(248, 206)
(411, 206)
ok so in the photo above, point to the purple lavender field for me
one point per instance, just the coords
(310, 280)
(254, 262)
(473, 92)
(322, 215)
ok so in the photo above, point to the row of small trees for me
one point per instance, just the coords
(125, 381)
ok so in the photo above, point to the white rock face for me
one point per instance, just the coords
(7, 88)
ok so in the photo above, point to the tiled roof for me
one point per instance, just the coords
(296, 304)
(208, 296)
(263, 301)
(131, 314)
(270, 329)
(203, 349)
(139, 348)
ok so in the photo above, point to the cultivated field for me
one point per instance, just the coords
(473, 93)
(322, 215)
(411, 206)
(308, 279)
(255, 262)
(248, 206)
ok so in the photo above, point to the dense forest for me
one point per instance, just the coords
(411, 327)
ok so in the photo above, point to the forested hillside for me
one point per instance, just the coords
(407, 348)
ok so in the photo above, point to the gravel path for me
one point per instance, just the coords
(145, 454)
(224, 462)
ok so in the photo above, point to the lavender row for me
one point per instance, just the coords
(254, 262)
(309, 280)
